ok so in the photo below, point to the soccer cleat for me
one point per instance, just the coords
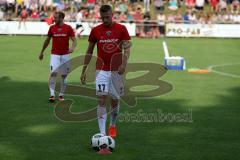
(51, 99)
(60, 98)
(112, 131)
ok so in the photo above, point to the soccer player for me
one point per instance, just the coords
(60, 34)
(113, 50)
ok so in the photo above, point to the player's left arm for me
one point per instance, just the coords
(126, 44)
(74, 44)
(126, 53)
(73, 38)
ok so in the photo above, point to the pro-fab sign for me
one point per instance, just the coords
(203, 30)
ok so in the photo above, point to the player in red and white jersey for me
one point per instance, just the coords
(60, 33)
(113, 50)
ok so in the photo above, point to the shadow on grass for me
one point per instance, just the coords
(29, 129)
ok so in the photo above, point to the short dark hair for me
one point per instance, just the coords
(61, 14)
(105, 8)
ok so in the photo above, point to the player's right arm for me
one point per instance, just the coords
(45, 45)
(87, 60)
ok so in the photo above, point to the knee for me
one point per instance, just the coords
(64, 76)
(53, 74)
(102, 101)
(114, 103)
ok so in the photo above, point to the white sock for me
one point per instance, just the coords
(113, 115)
(63, 86)
(52, 84)
(102, 118)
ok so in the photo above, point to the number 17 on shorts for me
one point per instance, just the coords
(109, 83)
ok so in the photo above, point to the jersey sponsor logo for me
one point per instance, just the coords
(59, 35)
(113, 40)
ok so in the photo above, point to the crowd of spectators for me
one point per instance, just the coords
(149, 15)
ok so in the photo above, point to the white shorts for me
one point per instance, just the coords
(109, 83)
(60, 63)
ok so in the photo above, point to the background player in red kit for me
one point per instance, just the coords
(60, 34)
(112, 41)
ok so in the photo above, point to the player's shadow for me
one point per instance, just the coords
(29, 129)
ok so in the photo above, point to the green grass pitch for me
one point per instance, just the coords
(29, 130)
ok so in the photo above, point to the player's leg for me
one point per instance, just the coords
(116, 90)
(54, 64)
(102, 87)
(113, 117)
(65, 68)
(102, 114)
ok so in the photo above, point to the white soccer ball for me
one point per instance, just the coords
(94, 140)
(106, 142)
(111, 143)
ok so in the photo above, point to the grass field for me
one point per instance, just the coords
(29, 130)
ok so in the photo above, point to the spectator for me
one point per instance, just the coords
(227, 17)
(33, 5)
(190, 4)
(170, 18)
(10, 5)
(116, 16)
(147, 24)
(213, 4)
(173, 5)
(42, 15)
(59, 5)
(146, 4)
(35, 15)
(79, 16)
(130, 18)
(90, 4)
(73, 15)
(235, 18)
(207, 18)
(200, 5)
(178, 17)
(133, 1)
(221, 17)
(23, 18)
(138, 15)
(161, 19)
(122, 7)
(159, 5)
(193, 18)
(79, 26)
(49, 4)
(42, 4)
(50, 19)
(77, 4)
(186, 17)
(238, 18)
(235, 6)
(19, 9)
(10, 9)
(222, 6)
(18, 4)
(1, 14)
(214, 18)
(122, 17)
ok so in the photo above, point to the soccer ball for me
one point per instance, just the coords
(94, 140)
(106, 142)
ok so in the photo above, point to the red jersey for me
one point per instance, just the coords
(60, 38)
(109, 40)
(24, 14)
